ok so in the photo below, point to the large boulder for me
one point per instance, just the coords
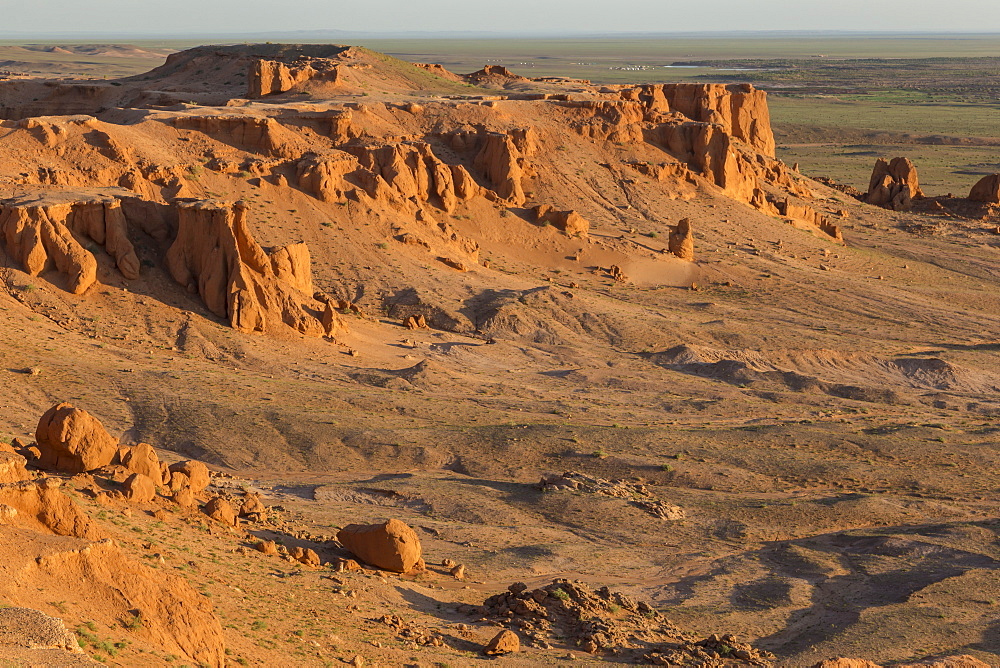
(391, 546)
(505, 642)
(220, 510)
(73, 441)
(987, 189)
(196, 473)
(139, 488)
(142, 459)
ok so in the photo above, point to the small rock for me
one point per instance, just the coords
(268, 547)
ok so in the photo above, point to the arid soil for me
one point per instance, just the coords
(368, 290)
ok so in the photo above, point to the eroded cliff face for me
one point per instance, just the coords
(270, 77)
(215, 255)
(49, 231)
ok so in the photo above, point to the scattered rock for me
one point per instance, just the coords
(570, 222)
(179, 481)
(345, 565)
(12, 467)
(30, 628)
(637, 494)
(253, 508)
(987, 189)
(688, 652)
(681, 241)
(305, 556)
(7, 513)
(593, 620)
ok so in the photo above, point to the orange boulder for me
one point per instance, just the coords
(392, 546)
(139, 488)
(987, 189)
(73, 441)
(195, 472)
(142, 459)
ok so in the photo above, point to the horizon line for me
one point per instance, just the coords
(7, 35)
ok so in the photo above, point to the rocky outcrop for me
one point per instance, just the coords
(391, 546)
(172, 614)
(804, 213)
(261, 134)
(12, 468)
(987, 189)
(681, 240)
(740, 109)
(708, 151)
(72, 440)
(269, 77)
(26, 628)
(411, 170)
(570, 222)
(42, 232)
(54, 130)
(495, 76)
(440, 70)
(386, 172)
(608, 120)
(894, 185)
(503, 165)
(42, 507)
(215, 255)
(324, 176)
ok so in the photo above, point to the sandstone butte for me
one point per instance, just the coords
(296, 193)
(406, 165)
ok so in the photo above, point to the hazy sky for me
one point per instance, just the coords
(530, 16)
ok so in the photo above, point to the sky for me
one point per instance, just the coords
(201, 17)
